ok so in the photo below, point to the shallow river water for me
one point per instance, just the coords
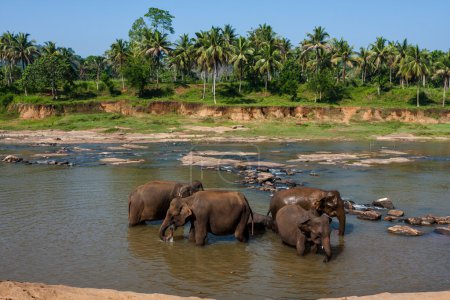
(68, 225)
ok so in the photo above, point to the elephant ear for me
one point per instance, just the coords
(196, 186)
(185, 212)
(176, 190)
(185, 191)
(303, 223)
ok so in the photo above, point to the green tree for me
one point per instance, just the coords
(343, 56)
(289, 78)
(416, 65)
(363, 60)
(138, 73)
(317, 42)
(215, 53)
(117, 56)
(182, 57)
(49, 71)
(155, 20)
(268, 61)
(242, 51)
(157, 46)
(380, 55)
(24, 49)
(96, 65)
(442, 70)
(201, 45)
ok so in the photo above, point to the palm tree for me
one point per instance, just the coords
(118, 55)
(379, 57)
(316, 42)
(49, 48)
(215, 53)
(416, 65)
(241, 54)
(267, 62)
(183, 55)
(7, 55)
(364, 55)
(343, 56)
(443, 70)
(24, 49)
(402, 49)
(391, 58)
(285, 46)
(229, 38)
(156, 45)
(202, 44)
(264, 34)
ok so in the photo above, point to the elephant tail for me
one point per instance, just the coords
(251, 215)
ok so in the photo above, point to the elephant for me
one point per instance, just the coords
(260, 222)
(328, 202)
(300, 228)
(214, 211)
(149, 202)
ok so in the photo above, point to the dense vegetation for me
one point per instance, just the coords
(219, 64)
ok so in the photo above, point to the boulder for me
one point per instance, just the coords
(288, 182)
(443, 230)
(404, 230)
(265, 176)
(383, 203)
(442, 220)
(12, 159)
(413, 221)
(262, 169)
(396, 213)
(350, 205)
(393, 218)
(289, 172)
(370, 215)
(427, 220)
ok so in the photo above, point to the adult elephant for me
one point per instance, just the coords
(328, 202)
(217, 212)
(300, 228)
(149, 202)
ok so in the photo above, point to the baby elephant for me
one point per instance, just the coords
(259, 223)
(299, 227)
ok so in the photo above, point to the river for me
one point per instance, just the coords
(68, 225)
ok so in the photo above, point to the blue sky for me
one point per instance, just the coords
(90, 26)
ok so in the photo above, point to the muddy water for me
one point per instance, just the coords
(61, 225)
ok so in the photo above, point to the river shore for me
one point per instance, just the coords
(27, 291)
(214, 134)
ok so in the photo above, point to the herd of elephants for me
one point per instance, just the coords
(300, 216)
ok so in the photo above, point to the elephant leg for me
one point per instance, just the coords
(300, 243)
(192, 233)
(341, 218)
(314, 248)
(241, 232)
(200, 234)
(135, 213)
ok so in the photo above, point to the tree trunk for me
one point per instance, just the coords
(424, 80)
(98, 77)
(157, 78)
(123, 83)
(445, 88)
(204, 85)
(390, 76)
(265, 84)
(214, 82)
(418, 94)
(343, 74)
(379, 91)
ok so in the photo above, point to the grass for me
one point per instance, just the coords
(228, 95)
(286, 128)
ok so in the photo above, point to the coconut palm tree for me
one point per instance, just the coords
(118, 55)
(156, 45)
(242, 51)
(268, 60)
(316, 42)
(182, 57)
(400, 56)
(285, 46)
(97, 63)
(201, 44)
(49, 48)
(8, 55)
(215, 53)
(379, 57)
(442, 70)
(364, 55)
(343, 56)
(24, 49)
(264, 34)
(416, 65)
(229, 38)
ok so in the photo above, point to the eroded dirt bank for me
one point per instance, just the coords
(28, 291)
(301, 113)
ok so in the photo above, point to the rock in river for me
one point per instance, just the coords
(12, 159)
(396, 213)
(404, 230)
(383, 203)
(392, 218)
(369, 215)
(265, 176)
(443, 230)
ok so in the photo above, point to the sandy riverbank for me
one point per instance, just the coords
(27, 291)
(99, 137)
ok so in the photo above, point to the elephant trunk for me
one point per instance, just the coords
(162, 231)
(326, 243)
(341, 218)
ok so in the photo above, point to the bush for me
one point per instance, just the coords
(5, 100)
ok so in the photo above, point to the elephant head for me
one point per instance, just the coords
(177, 215)
(331, 204)
(186, 190)
(317, 230)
